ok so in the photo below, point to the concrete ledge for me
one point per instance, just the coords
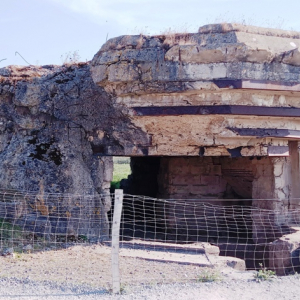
(199, 254)
(195, 248)
(228, 27)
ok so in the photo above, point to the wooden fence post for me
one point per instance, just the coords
(115, 238)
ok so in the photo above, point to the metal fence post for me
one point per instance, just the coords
(115, 237)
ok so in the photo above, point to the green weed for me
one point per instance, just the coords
(264, 274)
(209, 276)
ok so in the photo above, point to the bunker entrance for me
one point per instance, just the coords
(199, 193)
(141, 214)
(224, 201)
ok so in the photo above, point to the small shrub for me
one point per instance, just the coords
(264, 274)
(114, 185)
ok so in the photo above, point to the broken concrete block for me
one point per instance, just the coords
(284, 253)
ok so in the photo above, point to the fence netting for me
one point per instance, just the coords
(186, 235)
(67, 238)
(56, 237)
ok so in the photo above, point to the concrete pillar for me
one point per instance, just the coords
(271, 194)
(263, 182)
(295, 174)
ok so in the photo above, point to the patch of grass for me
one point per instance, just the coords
(264, 274)
(9, 231)
(11, 236)
(121, 171)
(209, 276)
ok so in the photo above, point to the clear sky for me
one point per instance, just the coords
(45, 31)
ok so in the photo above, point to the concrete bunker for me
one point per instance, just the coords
(213, 114)
(220, 110)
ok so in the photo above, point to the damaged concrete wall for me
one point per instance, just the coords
(194, 93)
(53, 123)
(44, 123)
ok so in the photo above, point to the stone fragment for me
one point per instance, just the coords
(27, 248)
(232, 262)
(211, 249)
(284, 253)
(8, 252)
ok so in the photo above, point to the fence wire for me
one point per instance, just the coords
(186, 235)
(55, 237)
(66, 238)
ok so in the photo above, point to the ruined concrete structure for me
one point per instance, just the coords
(224, 99)
(219, 109)
(227, 91)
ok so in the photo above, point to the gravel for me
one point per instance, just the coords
(233, 289)
(77, 272)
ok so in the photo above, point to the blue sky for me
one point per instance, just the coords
(45, 31)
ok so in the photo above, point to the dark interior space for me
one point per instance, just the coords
(143, 178)
(185, 221)
(140, 217)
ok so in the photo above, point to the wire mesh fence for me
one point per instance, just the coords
(191, 231)
(205, 220)
(67, 238)
(42, 219)
(55, 237)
